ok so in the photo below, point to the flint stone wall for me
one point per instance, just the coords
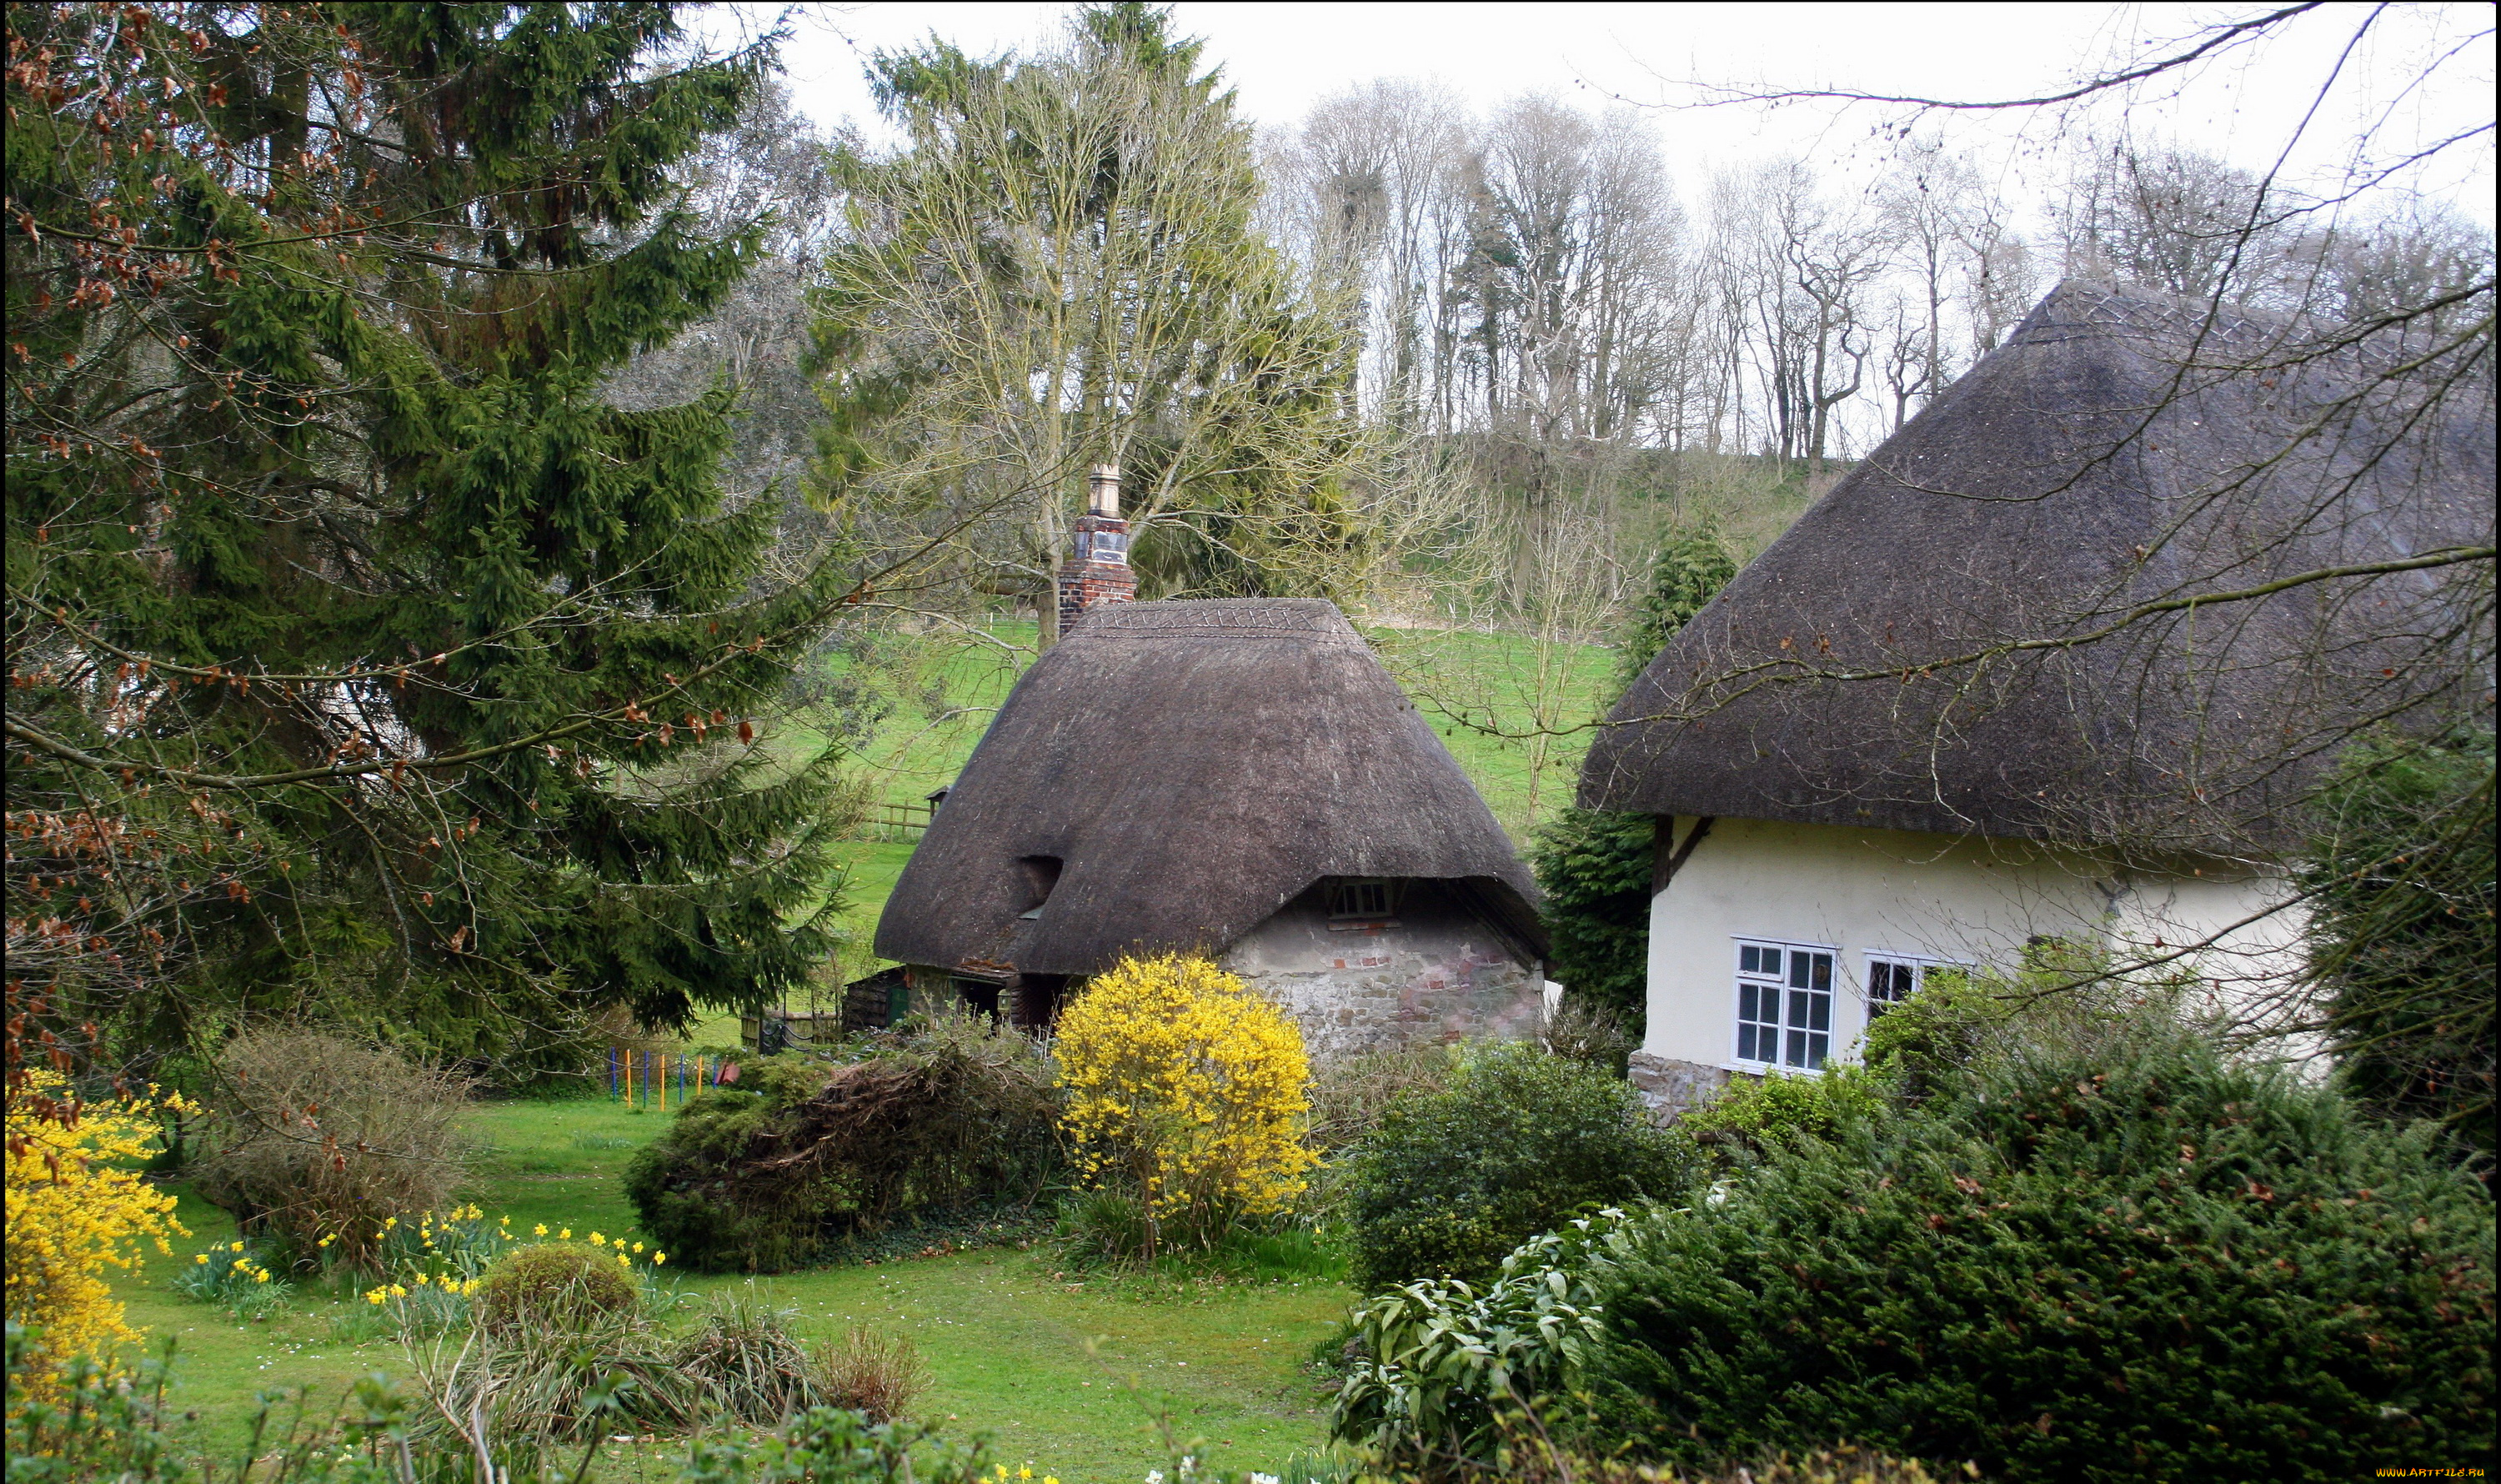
(1431, 971)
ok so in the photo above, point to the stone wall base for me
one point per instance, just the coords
(1672, 1088)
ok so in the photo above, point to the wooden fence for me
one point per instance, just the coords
(896, 822)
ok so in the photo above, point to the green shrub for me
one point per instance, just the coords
(1517, 1143)
(2137, 1259)
(1759, 1113)
(1438, 1368)
(954, 1118)
(552, 1286)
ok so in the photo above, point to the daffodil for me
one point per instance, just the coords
(638, 1249)
(540, 1229)
(200, 1258)
(234, 1247)
(659, 1257)
(564, 1236)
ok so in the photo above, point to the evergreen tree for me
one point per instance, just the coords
(365, 663)
(1594, 866)
(2401, 936)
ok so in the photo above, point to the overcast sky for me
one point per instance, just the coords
(2246, 105)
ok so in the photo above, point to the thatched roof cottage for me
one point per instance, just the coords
(1239, 778)
(1963, 702)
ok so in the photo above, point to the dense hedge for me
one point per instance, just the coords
(1519, 1141)
(953, 1119)
(2139, 1263)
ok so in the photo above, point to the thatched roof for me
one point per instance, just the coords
(2121, 449)
(1191, 767)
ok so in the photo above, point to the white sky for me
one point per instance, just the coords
(1284, 57)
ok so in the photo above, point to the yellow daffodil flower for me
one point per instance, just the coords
(540, 1229)
(637, 1248)
(659, 1257)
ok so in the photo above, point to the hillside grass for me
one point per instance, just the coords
(1067, 1371)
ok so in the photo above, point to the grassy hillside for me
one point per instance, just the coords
(1511, 711)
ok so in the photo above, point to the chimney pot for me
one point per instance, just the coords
(1103, 491)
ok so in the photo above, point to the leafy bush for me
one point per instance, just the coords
(956, 1117)
(2401, 935)
(1439, 1367)
(2136, 1260)
(74, 1211)
(311, 1136)
(1757, 1114)
(1186, 1089)
(552, 1286)
(1516, 1145)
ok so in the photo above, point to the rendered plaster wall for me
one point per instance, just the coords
(1435, 973)
(1862, 892)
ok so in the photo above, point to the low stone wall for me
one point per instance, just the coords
(1672, 1088)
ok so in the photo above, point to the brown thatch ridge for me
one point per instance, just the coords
(1172, 773)
(2123, 448)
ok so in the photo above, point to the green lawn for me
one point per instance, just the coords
(1067, 1373)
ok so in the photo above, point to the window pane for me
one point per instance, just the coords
(1798, 969)
(1823, 971)
(1746, 1002)
(1821, 1015)
(1797, 1048)
(1746, 1044)
(1797, 1008)
(1816, 1047)
(1750, 961)
(1771, 960)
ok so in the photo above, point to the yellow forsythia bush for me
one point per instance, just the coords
(1187, 1088)
(71, 1213)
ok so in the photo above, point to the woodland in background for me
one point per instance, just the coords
(474, 472)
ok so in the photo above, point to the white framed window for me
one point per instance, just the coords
(1103, 546)
(1368, 897)
(1892, 978)
(1784, 1005)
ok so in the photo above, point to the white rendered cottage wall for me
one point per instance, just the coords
(1865, 894)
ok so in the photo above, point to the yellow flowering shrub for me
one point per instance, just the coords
(1188, 1089)
(71, 1213)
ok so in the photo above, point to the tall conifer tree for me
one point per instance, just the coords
(364, 662)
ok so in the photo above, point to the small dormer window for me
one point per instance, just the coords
(1362, 898)
(1041, 874)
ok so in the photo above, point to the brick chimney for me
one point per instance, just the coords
(1097, 571)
